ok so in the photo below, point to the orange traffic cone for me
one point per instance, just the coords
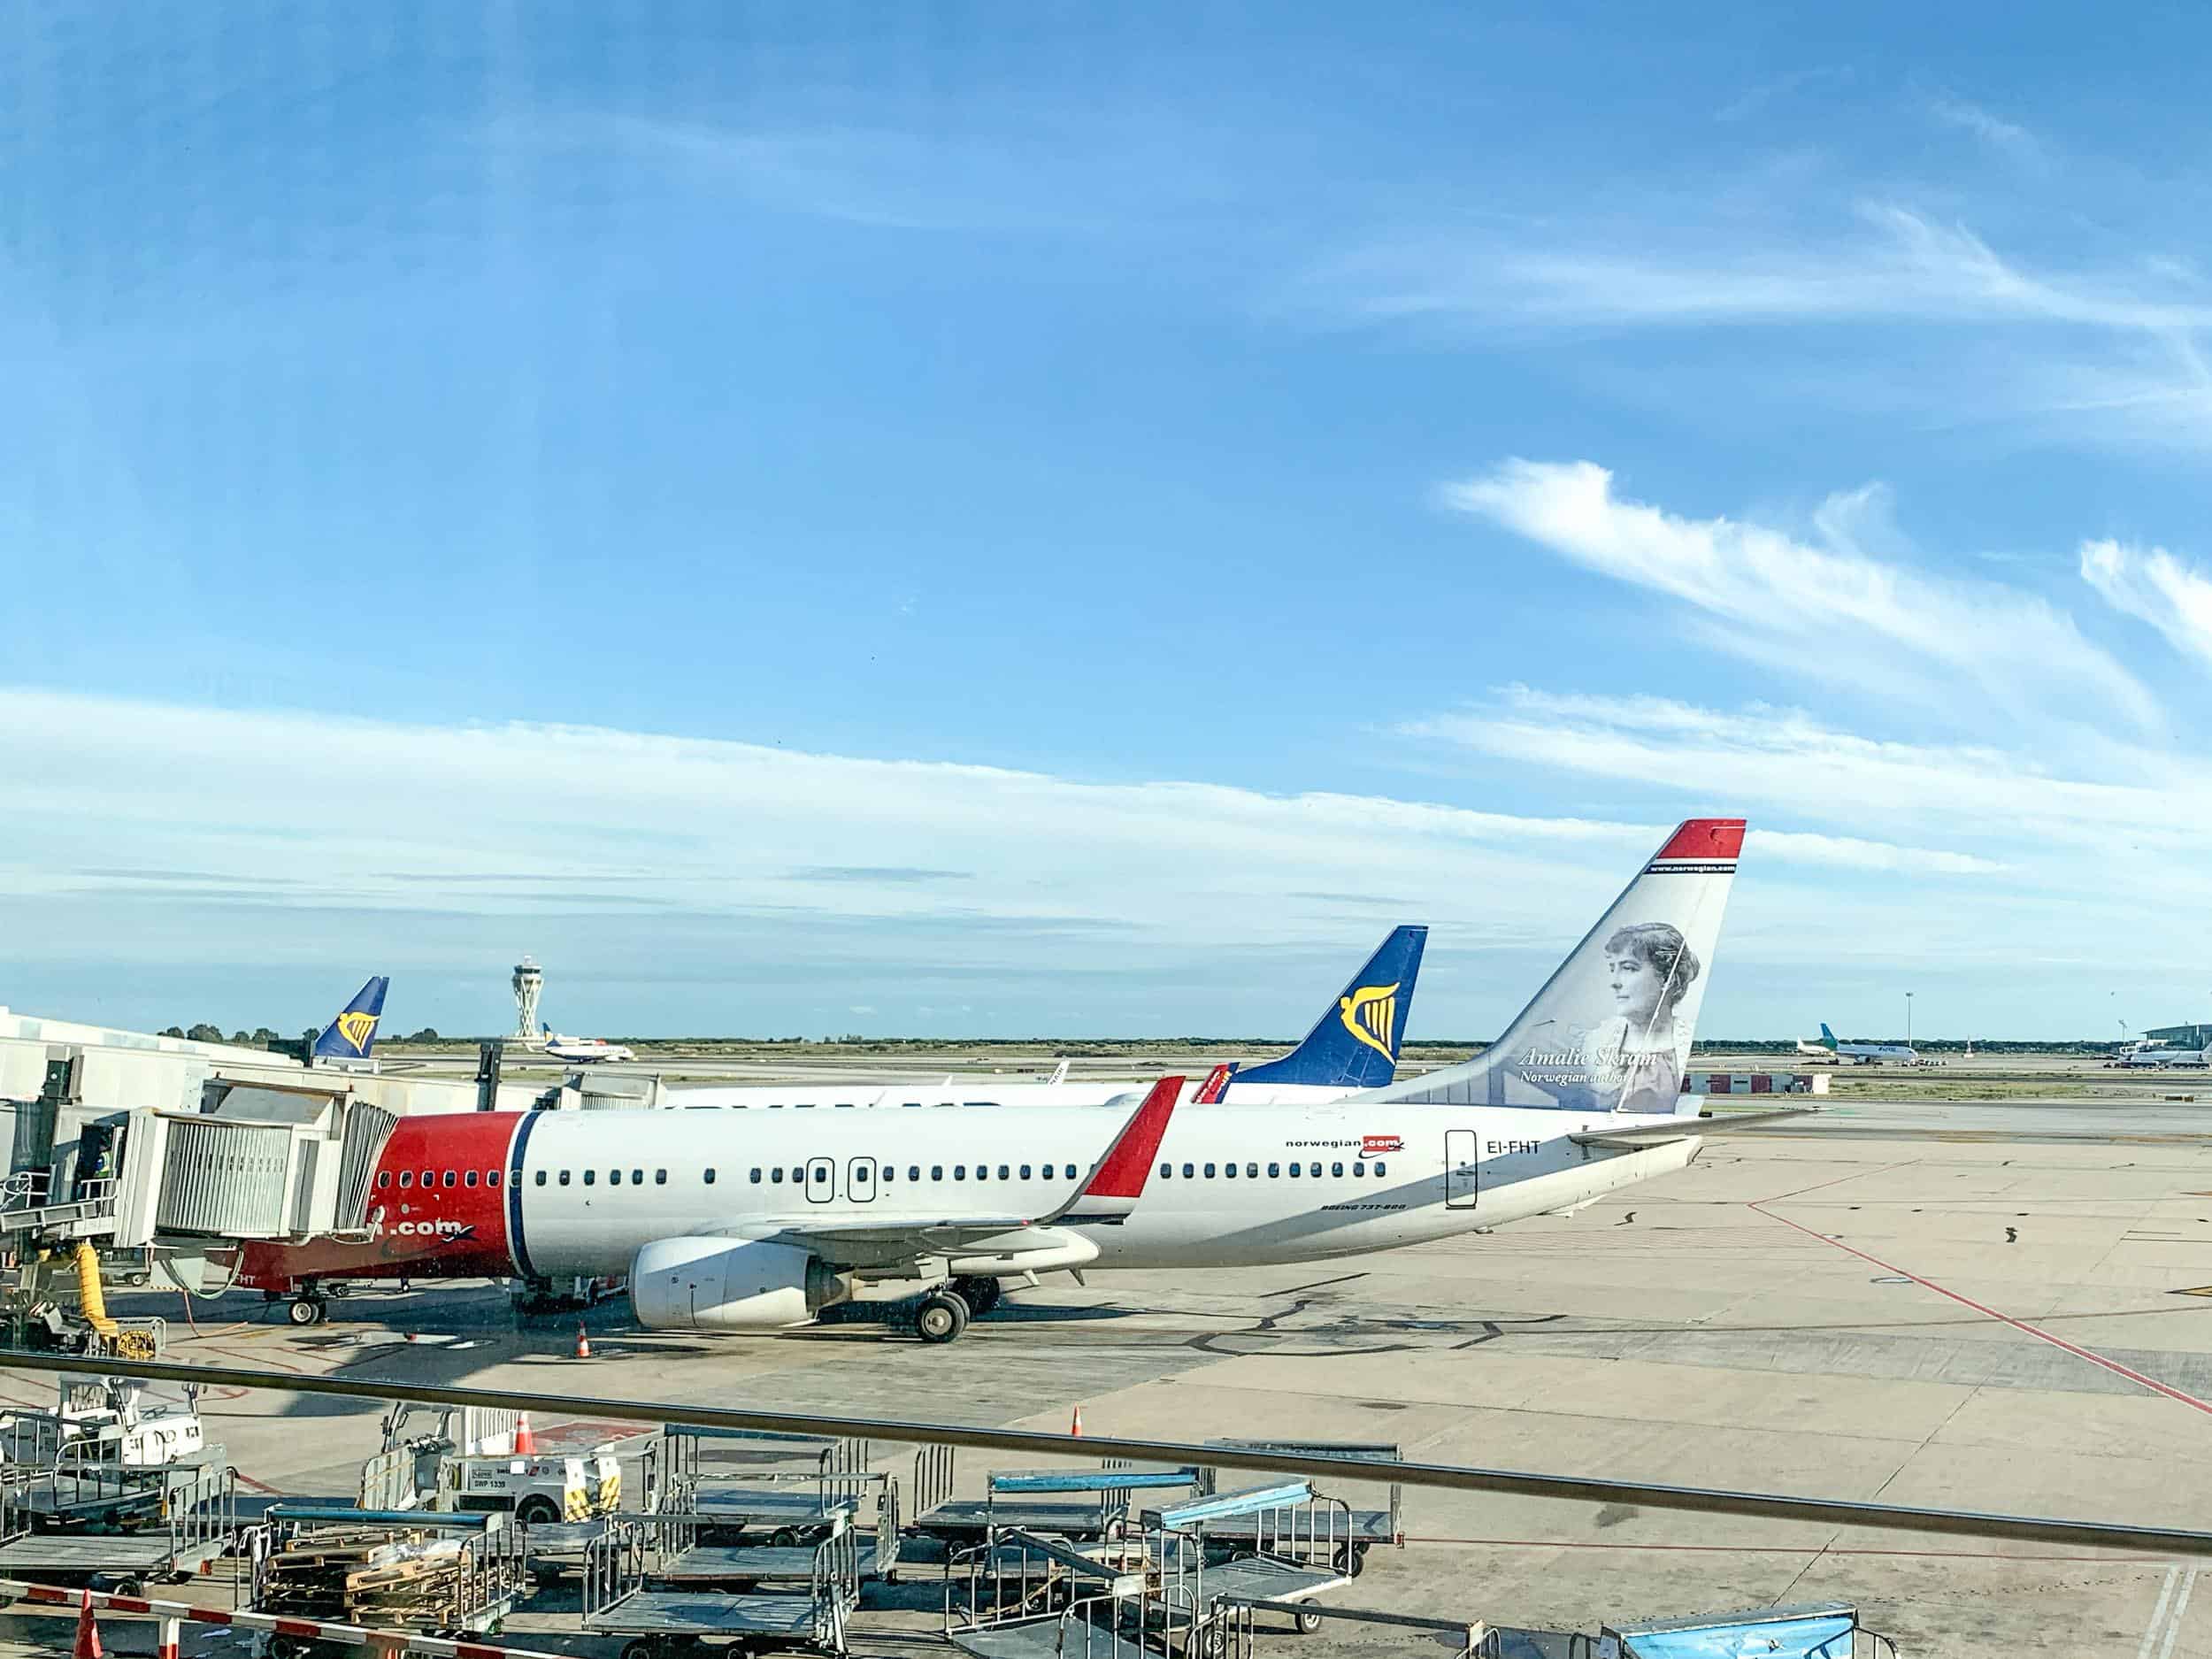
(1075, 1429)
(88, 1633)
(525, 1442)
(583, 1342)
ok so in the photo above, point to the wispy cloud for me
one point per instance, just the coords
(1833, 608)
(1757, 98)
(2154, 586)
(2007, 137)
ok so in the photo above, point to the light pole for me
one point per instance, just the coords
(1908, 1019)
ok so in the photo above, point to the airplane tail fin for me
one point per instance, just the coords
(1610, 1031)
(1827, 1037)
(353, 1034)
(1355, 1044)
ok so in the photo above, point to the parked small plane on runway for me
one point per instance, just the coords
(729, 1223)
(1858, 1053)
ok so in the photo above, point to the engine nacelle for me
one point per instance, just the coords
(729, 1285)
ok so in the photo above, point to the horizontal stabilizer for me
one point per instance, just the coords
(1630, 1136)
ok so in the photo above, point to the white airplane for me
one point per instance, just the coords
(1354, 1045)
(1858, 1053)
(2143, 1053)
(756, 1223)
(581, 1050)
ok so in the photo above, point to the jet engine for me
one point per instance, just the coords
(729, 1285)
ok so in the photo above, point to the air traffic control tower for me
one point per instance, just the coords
(529, 981)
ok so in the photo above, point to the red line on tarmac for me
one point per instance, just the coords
(2075, 1348)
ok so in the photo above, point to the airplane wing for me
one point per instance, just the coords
(1632, 1137)
(1105, 1200)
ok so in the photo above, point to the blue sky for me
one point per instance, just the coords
(994, 519)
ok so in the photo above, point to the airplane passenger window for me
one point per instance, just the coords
(756, 1175)
(1336, 1169)
(383, 1178)
(1379, 1166)
(1359, 1169)
(1001, 1171)
(1190, 1170)
(564, 1178)
(541, 1178)
(959, 1172)
(710, 1175)
(469, 1179)
(429, 1178)
(890, 1172)
(776, 1175)
(491, 1177)
(936, 1171)
(1230, 1171)
(983, 1171)
(1025, 1172)
(913, 1171)
(614, 1178)
(1294, 1170)
(1274, 1171)
(798, 1172)
(1166, 1170)
(1253, 1171)
(637, 1177)
(591, 1177)
(660, 1177)
(1071, 1171)
(407, 1178)
(1210, 1172)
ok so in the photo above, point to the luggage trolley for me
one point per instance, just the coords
(628, 1593)
(1073, 1504)
(820, 1480)
(1301, 1536)
(1819, 1630)
(1370, 1527)
(119, 1527)
(1019, 1595)
(450, 1575)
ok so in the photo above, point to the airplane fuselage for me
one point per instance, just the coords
(549, 1195)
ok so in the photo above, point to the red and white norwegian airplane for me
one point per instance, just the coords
(756, 1222)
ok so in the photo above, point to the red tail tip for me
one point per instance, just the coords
(1706, 838)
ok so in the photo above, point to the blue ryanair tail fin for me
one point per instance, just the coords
(353, 1034)
(1355, 1044)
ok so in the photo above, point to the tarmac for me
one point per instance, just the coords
(2001, 1307)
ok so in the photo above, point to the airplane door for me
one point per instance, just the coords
(860, 1180)
(1460, 1180)
(821, 1180)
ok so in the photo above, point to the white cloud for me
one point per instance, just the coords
(2154, 586)
(1832, 609)
(2007, 137)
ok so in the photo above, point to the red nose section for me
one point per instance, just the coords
(437, 1207)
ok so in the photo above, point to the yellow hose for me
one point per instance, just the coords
(92, 1302)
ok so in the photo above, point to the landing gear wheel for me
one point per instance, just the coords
(306, 1310)
(980, 1294)
(942, 1316)
(1308, 1623)
(285, 1647)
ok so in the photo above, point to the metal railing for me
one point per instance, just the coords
(1679, 1500)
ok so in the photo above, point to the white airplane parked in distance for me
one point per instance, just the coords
(752, 1223)
(2145, 1053)
(1858, 1053)
(582, 1050)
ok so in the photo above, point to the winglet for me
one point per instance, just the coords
(1118, 1181)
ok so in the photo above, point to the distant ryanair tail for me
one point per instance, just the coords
(1355, 1042)
(353, 1034)
(1610, 1031)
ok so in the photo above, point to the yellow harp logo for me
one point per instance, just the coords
(356, 1029)
(1368, 1013)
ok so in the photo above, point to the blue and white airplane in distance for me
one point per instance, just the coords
(1858, 1053)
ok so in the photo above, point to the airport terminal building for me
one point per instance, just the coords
(2179, 1036)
